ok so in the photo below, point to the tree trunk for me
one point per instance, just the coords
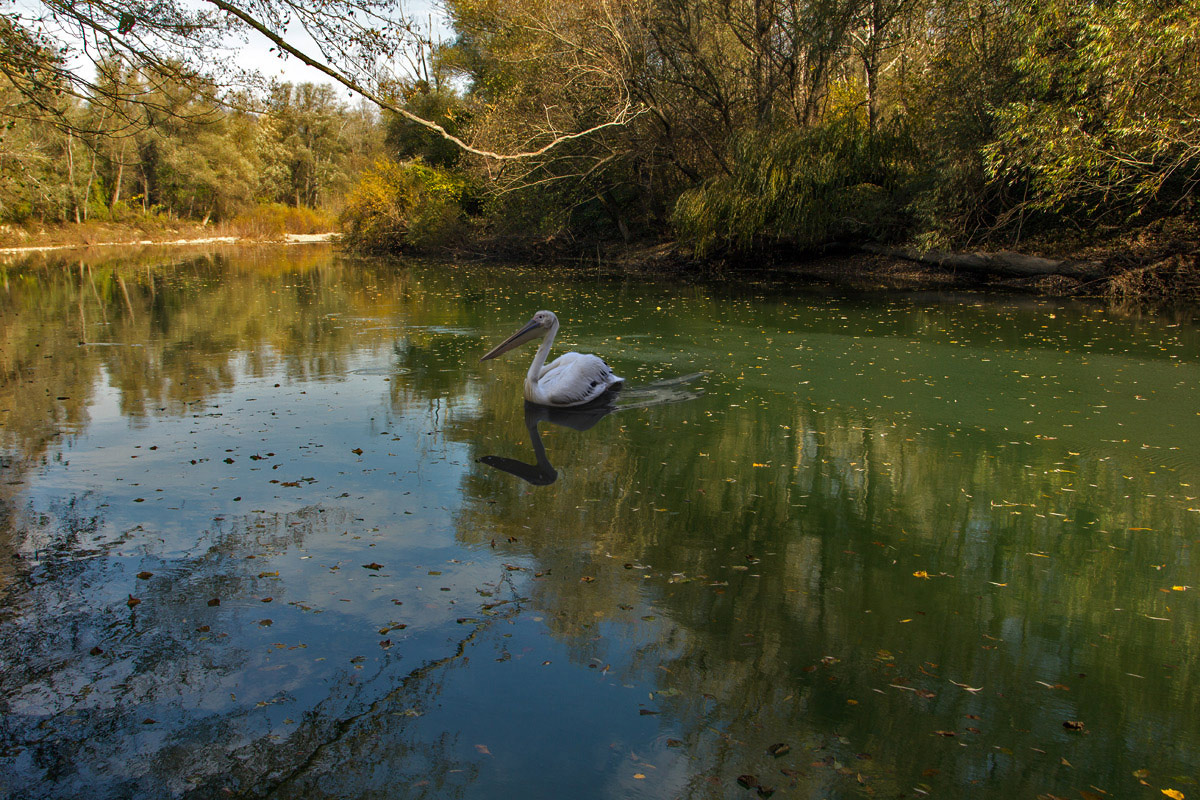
(1003, 262)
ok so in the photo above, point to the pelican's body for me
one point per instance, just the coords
(572, 379)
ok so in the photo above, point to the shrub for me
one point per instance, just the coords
(275, 220)
(403, 205)
(804, 187)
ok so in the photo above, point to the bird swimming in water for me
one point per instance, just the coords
(572, 379)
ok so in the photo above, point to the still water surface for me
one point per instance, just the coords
(269, 529)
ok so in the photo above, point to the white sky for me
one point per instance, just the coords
(256, 55)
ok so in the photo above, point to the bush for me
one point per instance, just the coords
(403, 205)
(804, 188)
(275, 220)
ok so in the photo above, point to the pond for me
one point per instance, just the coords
(268, 528)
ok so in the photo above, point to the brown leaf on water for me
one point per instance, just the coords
(674, 743)
(132, 601)
(266, 623)
(946, 733)
(646, 712)
(145, 575)
(267, 599)
(1073, 725)
(357, 451)
(779, 749)
(748, 781)
(216, 601)
(586, 579)
(373, 565)
(96, 651)
(483, 749)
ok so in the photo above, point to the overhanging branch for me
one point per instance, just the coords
(623, 117)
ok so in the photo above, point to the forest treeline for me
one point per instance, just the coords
(759, 124)
(737, 126)
(163, 146)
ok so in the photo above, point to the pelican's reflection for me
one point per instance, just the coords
(580, 418)
(543, 472)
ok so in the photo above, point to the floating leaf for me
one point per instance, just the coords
(357, 451)
(1174, 794)
(748, 781)
(216, 601)
(483, 749)
(1073, 725)
(132, 601)
(780, 749)
(373, 565)
(145, 575)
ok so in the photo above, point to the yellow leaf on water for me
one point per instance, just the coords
(1179, 588)
(1174, 794)
(920, 574)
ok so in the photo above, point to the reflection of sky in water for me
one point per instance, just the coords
(855, 526)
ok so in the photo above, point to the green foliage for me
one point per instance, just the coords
(1105, 119)
(408, 140)
(403, 205)
(802, 188)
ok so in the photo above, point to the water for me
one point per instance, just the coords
(269, 529)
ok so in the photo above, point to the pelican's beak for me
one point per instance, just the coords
(532, 330)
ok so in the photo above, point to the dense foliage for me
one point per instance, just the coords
(738, 126)
(799, 122)
(172, 150)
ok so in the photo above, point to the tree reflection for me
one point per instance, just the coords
(858, 541)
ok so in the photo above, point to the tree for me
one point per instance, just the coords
(359, 44)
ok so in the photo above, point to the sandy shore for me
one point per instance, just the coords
(291, 238)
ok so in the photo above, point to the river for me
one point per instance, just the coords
(268, 528)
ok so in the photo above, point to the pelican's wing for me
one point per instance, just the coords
(573, 379)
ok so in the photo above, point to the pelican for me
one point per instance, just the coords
(572, 379)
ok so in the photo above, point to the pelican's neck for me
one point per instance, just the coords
(539, 360)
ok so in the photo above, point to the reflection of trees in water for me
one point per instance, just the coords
(84, 672)
(777, 596)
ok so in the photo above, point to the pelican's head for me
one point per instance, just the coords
(543, 322)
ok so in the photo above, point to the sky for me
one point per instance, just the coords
(256, 54)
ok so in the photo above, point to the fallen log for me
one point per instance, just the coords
(1002, 262)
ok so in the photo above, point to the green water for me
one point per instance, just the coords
(268, 528)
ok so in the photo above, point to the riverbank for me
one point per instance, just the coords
(1158, 264)
(172, 239)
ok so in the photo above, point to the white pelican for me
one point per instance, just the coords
(572, 379)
